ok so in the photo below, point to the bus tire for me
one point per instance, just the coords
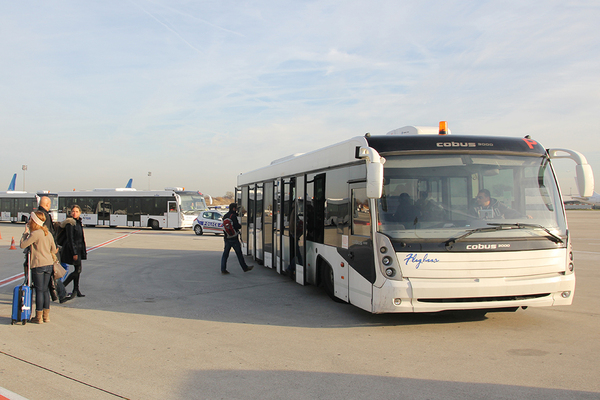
(198, 230)
(154, 224)
(328, 282)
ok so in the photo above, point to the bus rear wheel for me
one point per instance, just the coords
(154, 224)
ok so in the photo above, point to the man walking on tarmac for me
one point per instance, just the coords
(56, 289)
(231, 230)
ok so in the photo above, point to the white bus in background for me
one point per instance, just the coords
(411, 236)
(15, 206)
(171, 208)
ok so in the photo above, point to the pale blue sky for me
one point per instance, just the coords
(96, 92)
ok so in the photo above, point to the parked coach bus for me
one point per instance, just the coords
(15, 206)
(171, 208)
(417, 222)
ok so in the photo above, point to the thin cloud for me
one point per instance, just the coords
(170, 87)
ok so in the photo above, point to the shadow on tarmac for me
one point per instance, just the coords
(188, 284)
(253, 384)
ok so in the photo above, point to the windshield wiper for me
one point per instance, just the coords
(551, 236)
(469, 233)
(498, 227)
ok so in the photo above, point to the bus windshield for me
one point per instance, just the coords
(192, 203)
(430, 197)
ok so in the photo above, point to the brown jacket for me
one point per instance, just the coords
(42, 247)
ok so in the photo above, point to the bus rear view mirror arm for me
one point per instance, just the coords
(374, 171)
(585, 175)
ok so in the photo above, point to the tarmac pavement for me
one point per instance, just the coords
(159, 321)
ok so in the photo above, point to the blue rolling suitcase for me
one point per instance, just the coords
(21, 305)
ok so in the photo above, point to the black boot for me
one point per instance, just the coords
(52, 290)
(78, 293)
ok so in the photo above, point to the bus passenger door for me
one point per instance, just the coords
(258, 224)
(268, 248)
(360, 257)
(172, 215)
(298, 232)
(288, 200)
(241, 196)
(104, 211)
(277, 223)
(250, 211)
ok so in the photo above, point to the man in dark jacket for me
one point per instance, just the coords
(45, 204)
(233, 242)
(74, 249)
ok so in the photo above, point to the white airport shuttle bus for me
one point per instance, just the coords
(15, 206)
(417, 221)
(171, 208)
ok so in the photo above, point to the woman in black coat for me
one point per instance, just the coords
(74, 249)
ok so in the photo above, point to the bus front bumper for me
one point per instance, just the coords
(433, 295)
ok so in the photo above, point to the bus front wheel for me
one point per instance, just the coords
(154, 224)
(327, 280)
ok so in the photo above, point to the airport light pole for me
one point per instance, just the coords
(149, 175)
(24, 168)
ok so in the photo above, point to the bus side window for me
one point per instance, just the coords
(361, 216)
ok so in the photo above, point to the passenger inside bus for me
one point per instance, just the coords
(406, 212)
(430, 210)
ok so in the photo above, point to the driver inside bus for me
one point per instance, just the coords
(489, 208)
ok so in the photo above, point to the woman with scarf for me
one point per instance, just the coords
(42, 249)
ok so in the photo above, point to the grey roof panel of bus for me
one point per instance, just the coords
(336, 154)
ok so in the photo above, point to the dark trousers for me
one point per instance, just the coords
(60, 289)
(41, 277)
(74, 276)
(235, 243)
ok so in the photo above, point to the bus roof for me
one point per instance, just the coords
(116, 193)
(336, 154)
(387, 144)
(345, 152)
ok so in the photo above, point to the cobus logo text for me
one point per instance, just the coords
(455, 144)
(481, 246)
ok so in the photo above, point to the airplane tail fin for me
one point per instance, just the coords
(13, 184)
(128, 186)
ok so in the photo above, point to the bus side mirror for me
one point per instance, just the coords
(585, 180)
(585, 175)
(374, 180)
(374, 171)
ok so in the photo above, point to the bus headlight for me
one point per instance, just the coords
(566, 294)
(383, 249)
(571, 267)
(390, 272)
(387, 260)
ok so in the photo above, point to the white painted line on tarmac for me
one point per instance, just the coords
(6, 394)
(89, 249)
(14, 278)
(9, 280)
